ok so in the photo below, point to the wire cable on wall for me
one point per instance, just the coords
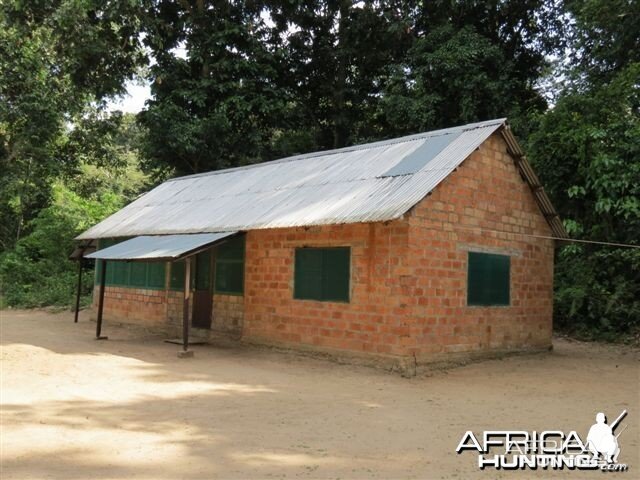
(549, 237)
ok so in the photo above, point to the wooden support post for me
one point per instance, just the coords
(103, 286)
(185, 311)
(80, 260)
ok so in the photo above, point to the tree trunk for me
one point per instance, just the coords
(340, 118)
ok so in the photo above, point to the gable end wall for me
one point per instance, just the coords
(483, 206)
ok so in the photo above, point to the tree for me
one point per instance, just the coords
(335, 56)
(37, 271)
(586, 151)
(107, 149)
(219, 106)
(455, 76)
(50, 80)
(605, 38)
(471, 61)
(31, 121)
(266, 79)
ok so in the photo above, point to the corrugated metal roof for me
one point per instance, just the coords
(366, 183)
(347, 185)
(162, 247)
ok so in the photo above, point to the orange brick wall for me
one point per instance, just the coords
(175, 305)
(133, 305)
(228, 314)
(373, 321)
(165, 308)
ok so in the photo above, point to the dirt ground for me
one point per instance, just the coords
(76, 408)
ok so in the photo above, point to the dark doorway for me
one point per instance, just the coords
(202, 295)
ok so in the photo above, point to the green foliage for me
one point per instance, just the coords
(461, 68)
(596, 293)
(108, 156)
(456, 76)
(91, 45)
(218, 107)
(37, 271)
(31, 122)
(586, 152)
(59, 60)
(320, 74)
(332, 62)
(606, 39)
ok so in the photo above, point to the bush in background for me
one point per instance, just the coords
(38, 272)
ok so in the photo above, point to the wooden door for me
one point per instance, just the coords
(202, 294)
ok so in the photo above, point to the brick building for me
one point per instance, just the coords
(408, 251)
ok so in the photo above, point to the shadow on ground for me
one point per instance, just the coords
(76, 408)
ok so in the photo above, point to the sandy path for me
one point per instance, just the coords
(74, 408)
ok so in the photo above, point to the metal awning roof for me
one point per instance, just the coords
(160, 247)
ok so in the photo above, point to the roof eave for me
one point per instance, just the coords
(541, 197)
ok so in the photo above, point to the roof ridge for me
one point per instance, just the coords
(352, 148)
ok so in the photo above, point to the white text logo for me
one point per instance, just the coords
(550, 449)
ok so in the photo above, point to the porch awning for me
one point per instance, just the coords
(160, 247)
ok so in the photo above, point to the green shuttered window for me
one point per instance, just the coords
(156, 274)
(137, 274)
(488, 279)
(203, 270)
(322, 274)
(230, 267)
(177, 275)
(147, 275)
